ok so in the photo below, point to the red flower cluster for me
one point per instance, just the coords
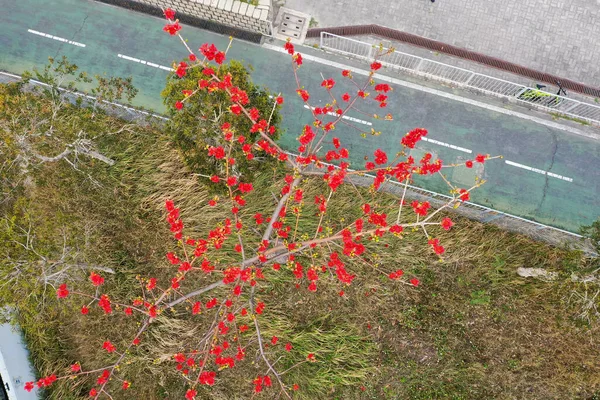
(181, 69)
(174, 220)
(212, 53)
(380, 157)
(463, 195)
(435, 243)
(62, 291)
(261, 381)
(396, 274)
(412, 137)
(427, 167)
(328, 84)
(96, 279)
(108, 346)
(172, 29)
(289, 47)
(420, 208)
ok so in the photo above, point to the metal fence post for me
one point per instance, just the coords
(470, 77)
(417, 68)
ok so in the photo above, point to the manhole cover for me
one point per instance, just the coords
(291, 24)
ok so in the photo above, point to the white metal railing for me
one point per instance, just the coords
(461, 77)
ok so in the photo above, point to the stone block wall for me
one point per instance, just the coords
(228, 12)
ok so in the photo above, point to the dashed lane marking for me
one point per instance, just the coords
(148, 63)
(451, 146)
(539, 171)
(60, 39)
(360, 121)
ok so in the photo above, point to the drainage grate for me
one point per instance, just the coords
(291, 25)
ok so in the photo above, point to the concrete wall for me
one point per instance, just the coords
(229, 12)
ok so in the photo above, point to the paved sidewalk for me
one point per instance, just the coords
(555, 36)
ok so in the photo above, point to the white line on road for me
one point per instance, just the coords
(360, 121)
(447, 145)
(148, 63)
(451, 96)
(47, 35)
(539, 171)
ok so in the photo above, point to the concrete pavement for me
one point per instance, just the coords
(554, 36)
(553, 176)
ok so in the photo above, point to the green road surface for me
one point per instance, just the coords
(108, 31)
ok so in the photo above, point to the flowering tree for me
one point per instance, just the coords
(292, 237)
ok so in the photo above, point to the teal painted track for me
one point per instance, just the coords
(108, 31)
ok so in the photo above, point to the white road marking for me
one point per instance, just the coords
(148, 63)
(447, 145)
(47, 35)
(360, 121)
(539, 171)
(451, 96)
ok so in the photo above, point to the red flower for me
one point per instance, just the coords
(289, 47)
(181, 69)
(260, 307)
(296, 387)
(93, 392)
(328, 84)
(196, 308)
(412, 137)
(464, 195)
(169, 14)
(192, 57)
(207, 377)
(279, 100)
(178, 105)
(346, 73)
(76, 367)
(481, 158)
(96, 279)
(447, 223)
(311, 357)
(126, 385)
(382, 87)
(297, 58)
(380, 156)
(190, 394)
(469, 164)
(128, 311)
(108, 346)
(435, 243)
(420, 208)
(85, 310)
(304, 94)
(288, 347)
(29, 386)
(172, 29)
(415, 282)
(220, 57)
(274, 340)
(396, 274)
(236, 109)
(62, 291)
(375, 66)
(136, 341)
(151, 284)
